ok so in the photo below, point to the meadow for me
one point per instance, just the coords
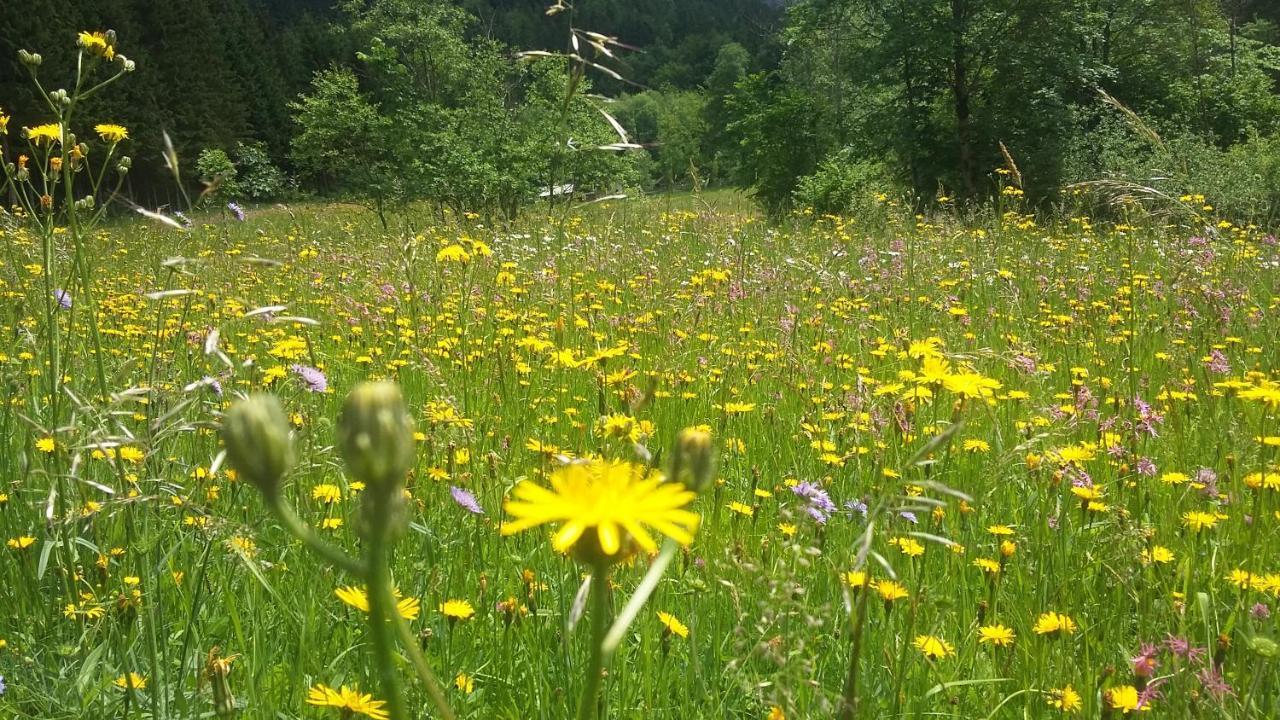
(1019, 468)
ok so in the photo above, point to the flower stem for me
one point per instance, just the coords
(588, 705)
(380, 610)
(425, 674)
(641, 595)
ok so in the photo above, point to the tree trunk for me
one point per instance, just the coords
(960, 96)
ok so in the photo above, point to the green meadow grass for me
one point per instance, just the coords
(1131, 359)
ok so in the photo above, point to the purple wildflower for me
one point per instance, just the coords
(214, 385)
(1260, 611)
(1212, 681)
(2, 688)
(909, 517)
(820, 505)
(1145, 663)
(236, 210)
(313, 378)
(466, 500)
(63, 297)
(1149, 694)
(1217, 363)
(857, 506)
(1146, 467)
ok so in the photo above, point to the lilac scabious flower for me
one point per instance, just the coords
(186, 221)
(909, 517)
(857, 506)
(2, 688)
(820, 506)
(311, 377)
(214, 385)
(466, 500)
(63, 297)
(236, 210)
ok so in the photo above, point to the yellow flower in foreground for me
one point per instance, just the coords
(357, 598)
(1126, 699)
(1066, 699)
(131, 681)
(775, 713)
(457, 609)
(47, 134)
(111, 133)
(348, 700)
(1051, 623)
(465, 683)
(46, 445)
(21, 543)
(997, 635)
(615, 499)
(934, 648)
(673, 625)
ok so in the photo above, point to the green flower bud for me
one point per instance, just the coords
(123, 166)
(30, 59)
(259, 446)
(375, 437)
(693, 462)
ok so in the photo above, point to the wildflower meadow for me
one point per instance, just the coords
(641, 457)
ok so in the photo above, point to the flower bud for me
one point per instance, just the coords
(259, 446)
(694, 460)
(30, 59)
(375, 436)
(123, 166)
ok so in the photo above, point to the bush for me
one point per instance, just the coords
(257, 177)
(215, 168)
(843, 184)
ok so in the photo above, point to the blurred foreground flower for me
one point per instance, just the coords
(620, 501)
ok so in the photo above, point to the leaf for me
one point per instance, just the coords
(961, 683)
(579, 603)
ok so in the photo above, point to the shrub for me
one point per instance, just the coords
(257, 177)
(215, 167)
(843, 184)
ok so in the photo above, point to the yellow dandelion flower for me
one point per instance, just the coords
(456, 609)
(1052, 623)
(673, 625)
(348, 700)
(932, 647)
(618, 500)
(357, 598)
(131, 681)
(96, 43)
(46, 134)
(112, 133)
(1065, 699)
(997, 635)
(1126, 699)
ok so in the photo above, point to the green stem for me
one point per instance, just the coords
(589, 704)
(434, 689)
(643, 591)
(381, 609)
(329, 552)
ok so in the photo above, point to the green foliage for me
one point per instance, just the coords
(257, 177)
(844, 184)
(217, 171)
(776, 138)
